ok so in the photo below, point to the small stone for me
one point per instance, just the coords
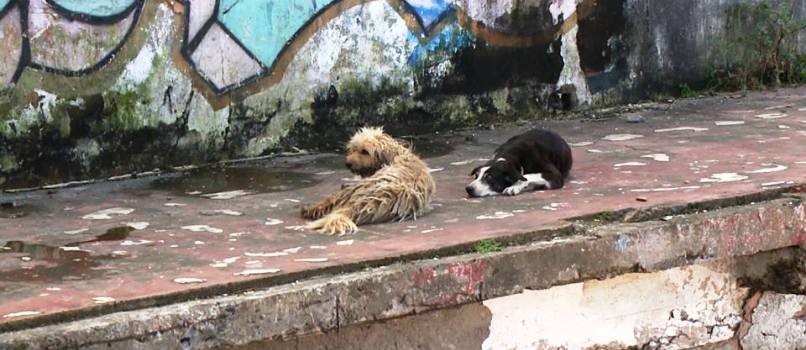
(641, 199)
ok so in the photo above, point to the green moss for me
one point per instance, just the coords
(606, 216)
(488, 246)
(123, 110)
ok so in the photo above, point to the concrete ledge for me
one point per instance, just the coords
(592, 250)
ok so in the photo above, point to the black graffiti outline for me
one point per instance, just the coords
(426, 30)
(137, 7)
(190, 45)
(25, 49)
(89, 18)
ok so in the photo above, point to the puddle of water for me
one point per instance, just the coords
(52, 264)
(430, 147)
(250, 179)
(113, 234)
(13, 210)
(333, 162)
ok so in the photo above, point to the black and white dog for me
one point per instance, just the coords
(533, 160)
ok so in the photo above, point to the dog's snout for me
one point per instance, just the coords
(348, 165)
(469, 190)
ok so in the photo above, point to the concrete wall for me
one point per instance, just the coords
(92, 89)
(714, 306)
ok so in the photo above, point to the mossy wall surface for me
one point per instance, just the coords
(90, 91)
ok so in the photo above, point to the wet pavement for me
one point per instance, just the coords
(124, 244)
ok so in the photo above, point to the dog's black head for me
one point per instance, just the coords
(491, 179)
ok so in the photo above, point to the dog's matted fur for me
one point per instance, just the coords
(395, 184)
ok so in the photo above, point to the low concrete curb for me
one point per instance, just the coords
(593, 250)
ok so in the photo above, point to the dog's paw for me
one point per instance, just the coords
(339, 229)
(311, 213)
(513, 190)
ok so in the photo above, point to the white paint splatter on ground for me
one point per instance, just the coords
(189, 280)
(802, 109)
(724, 177)
(22, 314)
(581, 144)
(226, 195)
(26, 258)
(774, 168)
(250, 272)
(682, 128)
(435, 170)
(193, 193)
(555, 206)
(137, 242)
(107, 214)
(103, 300)
(595, 151)
(139, 225)
(665, 189)
(71, 249)
(298, 228)
(199, 243)
(265, 255)
(273, 222)
(325, 173)
(345, 243)
(629, 164)
(292, 250)
(174, 205)
(225, 263)
(772, 116)
(784, 126)
(222, 212)
(496, 216)
(729, 122)
(202, 228)
(75, 232)
(622, 137)
(312, 260)
(777, 183)
(320, 247)
(432, 230)
(292, 200)
(659, 157)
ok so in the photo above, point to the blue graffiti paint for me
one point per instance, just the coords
(3, 3)
(430, 11)
(264, 27)
(622, 243)
(448, 41)
(95, 8)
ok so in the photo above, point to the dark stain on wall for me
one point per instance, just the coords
(602, 51)
(486, 67)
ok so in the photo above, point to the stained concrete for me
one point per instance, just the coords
(459, 328)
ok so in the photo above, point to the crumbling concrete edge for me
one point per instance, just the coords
(327, 303)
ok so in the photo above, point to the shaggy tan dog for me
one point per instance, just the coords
(395, 184)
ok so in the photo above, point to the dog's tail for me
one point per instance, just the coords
(337, 222)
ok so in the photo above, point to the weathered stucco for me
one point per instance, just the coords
(96, 90)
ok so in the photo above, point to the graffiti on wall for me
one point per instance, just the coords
(86, 34)
(229, 44)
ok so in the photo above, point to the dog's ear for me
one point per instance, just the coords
(475, 171)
